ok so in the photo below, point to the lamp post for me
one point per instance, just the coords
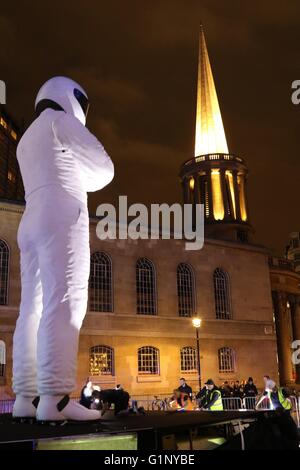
(196, 324)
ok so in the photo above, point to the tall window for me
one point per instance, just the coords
(2, 358)
(222, 294)
(188, 359)
(185, 290)
(101, 283)
(102, 360)
(227, 360)
(148, 360)
(4, 269)
(145, 287)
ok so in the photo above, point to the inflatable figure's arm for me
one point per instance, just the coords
(95, 165)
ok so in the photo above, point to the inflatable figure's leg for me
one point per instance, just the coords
(25, 336)
(65, 264)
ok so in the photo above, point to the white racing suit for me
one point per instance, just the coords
(60, 161)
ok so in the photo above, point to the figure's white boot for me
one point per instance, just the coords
(25, 408)
(61, 408)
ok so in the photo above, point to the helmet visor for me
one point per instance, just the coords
(82, 100)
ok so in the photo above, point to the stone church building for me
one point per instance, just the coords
(144, 294)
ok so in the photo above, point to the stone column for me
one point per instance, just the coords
(226, 204)
(186, 190)
(236, 195)
(295, 309)
(283, 337)
(196, 189)
(210, 196)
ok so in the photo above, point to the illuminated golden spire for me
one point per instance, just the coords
(210, 134)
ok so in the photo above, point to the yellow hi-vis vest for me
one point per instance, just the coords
(218, 404)
(285, 402)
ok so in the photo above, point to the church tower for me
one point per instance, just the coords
(215, 177)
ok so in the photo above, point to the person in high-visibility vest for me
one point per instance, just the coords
(212, 399)
(285, 432)
(278, 396)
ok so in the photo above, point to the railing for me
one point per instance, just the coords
(152, 402)
(281, 263)
(214, 156)
(161, 402)
(232, 403)
(250, 403)
(6, 406)
(296, 409)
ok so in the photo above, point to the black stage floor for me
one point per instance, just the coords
(155, 420)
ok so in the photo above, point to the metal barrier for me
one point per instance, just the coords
(152, 402)
(253, 403)
(6, 406)
(264, 404)
(232, 403)
(160, 402)
(249, 403)
(296, 410)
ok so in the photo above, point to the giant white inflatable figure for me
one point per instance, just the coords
(60, 161)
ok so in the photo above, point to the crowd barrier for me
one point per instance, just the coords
(161, 403)
(6, 406)
(296, 409)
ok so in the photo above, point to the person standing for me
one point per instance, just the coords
(212, 400)
(278, 396)
(237, 392)
(185, 388)
(250, 389)
(264, 400)
(226, 390)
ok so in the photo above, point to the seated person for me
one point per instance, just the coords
(86, 394)
(175, 402)
(181, 400)
(105, 398)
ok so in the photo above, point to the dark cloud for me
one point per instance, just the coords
(138, 62)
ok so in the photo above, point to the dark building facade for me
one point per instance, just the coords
(11, 185)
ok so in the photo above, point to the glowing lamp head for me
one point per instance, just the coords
(196, 322)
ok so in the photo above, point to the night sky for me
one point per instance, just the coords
(137, 61)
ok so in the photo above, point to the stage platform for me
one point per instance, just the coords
(155, 430)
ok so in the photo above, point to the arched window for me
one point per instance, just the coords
(148, 360)
(2, 358)
(222, 294)
(101, 283)
(185, 290)
(4, 270)
(188, 359)
(227, 360)
(145, 287)
(102, 360)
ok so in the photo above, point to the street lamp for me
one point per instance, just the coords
(197, 324)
